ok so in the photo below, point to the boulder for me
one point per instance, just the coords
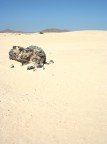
(31, 54)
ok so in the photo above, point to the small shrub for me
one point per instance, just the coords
(41, 33)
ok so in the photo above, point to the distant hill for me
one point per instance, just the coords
(44, 31)
(10, 31)
(54, 30)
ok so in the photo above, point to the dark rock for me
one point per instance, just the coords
(12, 66)
(30, 67)
(51, 61)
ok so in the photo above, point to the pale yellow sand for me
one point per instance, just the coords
(64, 104)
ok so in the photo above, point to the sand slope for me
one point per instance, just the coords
(64, 104)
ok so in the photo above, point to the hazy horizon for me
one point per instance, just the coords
(37, 15)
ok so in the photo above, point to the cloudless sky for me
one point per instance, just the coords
(36, 15)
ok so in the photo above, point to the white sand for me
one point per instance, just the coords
(64, 104)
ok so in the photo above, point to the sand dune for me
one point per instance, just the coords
(64, 104)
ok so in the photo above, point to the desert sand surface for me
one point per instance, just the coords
(64, 104)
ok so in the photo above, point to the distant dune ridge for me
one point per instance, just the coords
(44, 31)
(66, 103)
(54, 30)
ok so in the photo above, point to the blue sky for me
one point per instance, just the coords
(36, 15)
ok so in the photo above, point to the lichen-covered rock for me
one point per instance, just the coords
(28, 55)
